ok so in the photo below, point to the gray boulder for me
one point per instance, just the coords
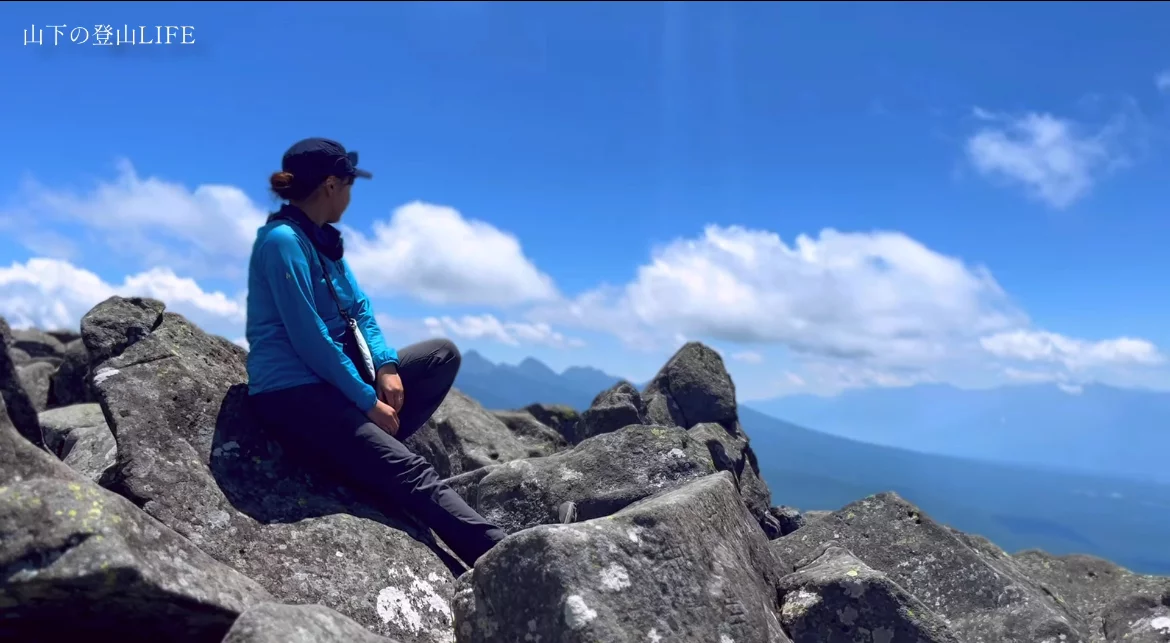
(80, 563)
(190, 455)
(614, 408)
(462, 436)
(788, 518)
(838, 599)
(563, 419)
(21, 410)
(686, 565)
(693, 387)
(36, 377)
(66, 337)
(18, 356)
(539, 438)
(118, 322)
(1113, 603)
(37, 343)
(814, 515)
(984, 599)
(274, 623)
(600, 476)
(731, 451)
(1137, 618)
(694, 391)
(70, 384)
(80, 437)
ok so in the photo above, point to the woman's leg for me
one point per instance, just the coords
(318, 421)
(428, 370)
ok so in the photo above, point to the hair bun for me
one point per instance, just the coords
(280, 180)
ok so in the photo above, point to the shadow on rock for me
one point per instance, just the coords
(271, 486)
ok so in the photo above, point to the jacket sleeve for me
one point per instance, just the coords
(286, 269)
(363, 314)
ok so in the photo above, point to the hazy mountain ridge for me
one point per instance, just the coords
(1100, 429)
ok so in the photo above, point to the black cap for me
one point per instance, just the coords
(314, 159)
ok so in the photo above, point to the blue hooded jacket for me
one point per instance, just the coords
(295, 333)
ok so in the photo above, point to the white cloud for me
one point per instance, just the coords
(875, 295)
(1162, 81)
(1074, 354)
(50, 293)
(1054, 159)
(432, 253)
(214, 224)
(510, 333)
(751, 357)
(428, 252)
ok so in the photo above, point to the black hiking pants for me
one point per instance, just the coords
(318, 423)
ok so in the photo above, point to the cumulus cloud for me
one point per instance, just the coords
(510, 333)
(428, 252)
(840, 295)
(1074, 354)
(434, 254)
(854, 310)
(1056, 160)
(152, 218)
(51, 293)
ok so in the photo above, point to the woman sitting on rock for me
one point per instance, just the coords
(321, 376)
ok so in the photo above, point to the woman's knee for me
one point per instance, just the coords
(450, 353)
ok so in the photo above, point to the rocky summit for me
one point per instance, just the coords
(140, 501)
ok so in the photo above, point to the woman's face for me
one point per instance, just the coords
(337, 194)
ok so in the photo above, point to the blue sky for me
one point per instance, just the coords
(834, 196)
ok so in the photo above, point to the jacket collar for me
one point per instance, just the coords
(326, 239)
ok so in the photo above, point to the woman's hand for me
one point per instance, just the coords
(385, 417)
(389, 387)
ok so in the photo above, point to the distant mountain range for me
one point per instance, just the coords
(504, 386)
(1017, 507)
(1097, 429)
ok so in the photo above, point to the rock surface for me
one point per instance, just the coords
(274, 623)
(190, 456)
(787, 518)
(35, 377)
(20, 408)
(462, 436)
(70, 384)
(539, 438)
(687, 565)
(731, 451)
(80, 436)
(600, 476)
(614, 408)
(77, 561)
(18, 356)
(36, 343)
(838, 599)
(692, 388)
(562, 419)
(1109, 599)
(985, 600)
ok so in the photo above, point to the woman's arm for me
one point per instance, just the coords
(363, 314)
(286, 267)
